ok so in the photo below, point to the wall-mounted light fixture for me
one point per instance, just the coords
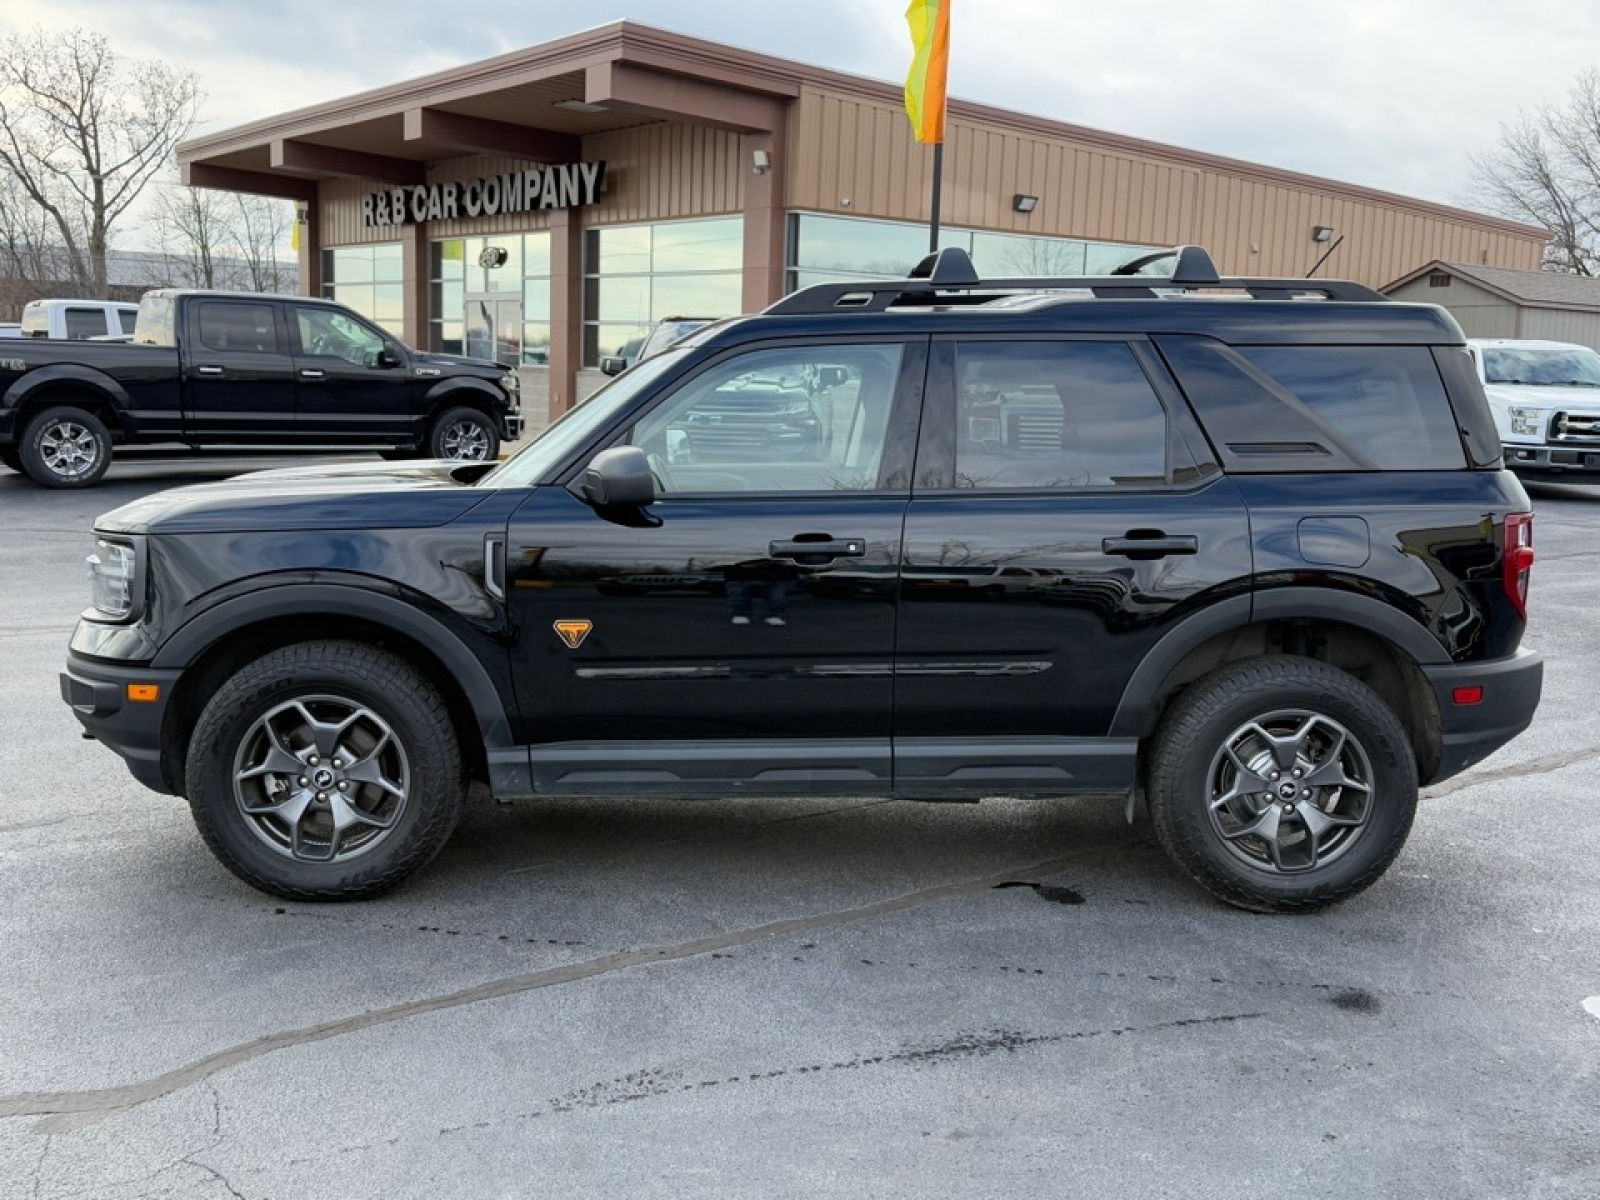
(1023, 203)
(760, 161)
(1321, 233)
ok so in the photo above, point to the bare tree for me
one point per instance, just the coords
(27, 254)
(82, 133)
(188, 227)
(1545, 169)
(213, 239)
(262, 228)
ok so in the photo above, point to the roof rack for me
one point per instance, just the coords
(950, 276)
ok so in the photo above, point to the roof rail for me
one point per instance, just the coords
(950, 277)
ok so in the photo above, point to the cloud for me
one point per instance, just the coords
(1393, 96)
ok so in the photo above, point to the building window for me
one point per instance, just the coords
(1439, 279)
(636, 275)
(489, 297)
(825, 249)
(368, 279)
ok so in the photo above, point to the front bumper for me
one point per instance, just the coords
(1471, 732)
(512, 423)
(98, 695)
(1551, 460)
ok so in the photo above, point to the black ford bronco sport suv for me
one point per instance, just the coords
(1239, 550)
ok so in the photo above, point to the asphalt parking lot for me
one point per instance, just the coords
(800, 998)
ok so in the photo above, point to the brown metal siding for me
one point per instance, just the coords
(854, 155)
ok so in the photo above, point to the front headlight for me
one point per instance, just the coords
(113, 578)
(1529, 422)
(511, 382)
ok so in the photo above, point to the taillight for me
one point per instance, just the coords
(1518, 559)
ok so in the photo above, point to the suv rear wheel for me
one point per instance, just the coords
(325, 771)
(1282, 784)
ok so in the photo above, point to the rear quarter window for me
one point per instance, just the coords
(1320, 408)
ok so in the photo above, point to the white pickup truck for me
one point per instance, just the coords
(1546, 402)
(77, 319)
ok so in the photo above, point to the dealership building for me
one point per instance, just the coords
(546, 207)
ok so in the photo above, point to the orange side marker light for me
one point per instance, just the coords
(144, 693)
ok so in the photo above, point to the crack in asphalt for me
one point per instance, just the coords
(1537, 766)
(108, 1100)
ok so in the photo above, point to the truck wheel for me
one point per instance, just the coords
(464, 433)
(325, 771)
(65, 447)
(1282, 784)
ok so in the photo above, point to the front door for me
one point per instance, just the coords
(1065, 511)
(739, 634)
(352, 385)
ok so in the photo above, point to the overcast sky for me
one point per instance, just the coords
(1392, 94)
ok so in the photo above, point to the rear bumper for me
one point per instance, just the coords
(1471, 732)
(98, 696)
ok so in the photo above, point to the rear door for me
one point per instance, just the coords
(239, 384)
(352, 383)
(740, 635)
(1066, 511)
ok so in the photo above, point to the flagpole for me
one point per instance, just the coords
(938, 177)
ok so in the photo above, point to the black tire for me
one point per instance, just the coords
(1327, 832)
(9, 457)
(464, 434)
(358, 726)
(65, 447)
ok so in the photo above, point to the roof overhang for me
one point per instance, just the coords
(535, 104)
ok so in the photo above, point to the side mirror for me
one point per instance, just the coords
(832, 377)
(619, 478)
(389, 357)
(613, 364)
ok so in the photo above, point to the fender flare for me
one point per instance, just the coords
(1293, 603)
(72, 375)
(455, 390)
(197, 636)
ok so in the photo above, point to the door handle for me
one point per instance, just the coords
(208, 370)
(818, 547)
(309, 373)
(1145, 544)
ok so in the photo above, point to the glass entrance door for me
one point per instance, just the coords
(494, 328)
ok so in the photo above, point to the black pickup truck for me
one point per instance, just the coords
(238, 371)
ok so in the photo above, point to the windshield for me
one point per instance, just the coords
(1546, 366)
(539, 459)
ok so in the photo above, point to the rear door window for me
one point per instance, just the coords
(1050, 416)
(234, 327)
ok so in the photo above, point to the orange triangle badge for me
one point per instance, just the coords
(573, 632)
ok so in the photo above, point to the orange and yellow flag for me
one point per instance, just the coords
(925, 95)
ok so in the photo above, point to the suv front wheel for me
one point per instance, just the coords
(325, 771)
(1282, 784)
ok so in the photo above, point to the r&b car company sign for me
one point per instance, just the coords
(570, 185)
